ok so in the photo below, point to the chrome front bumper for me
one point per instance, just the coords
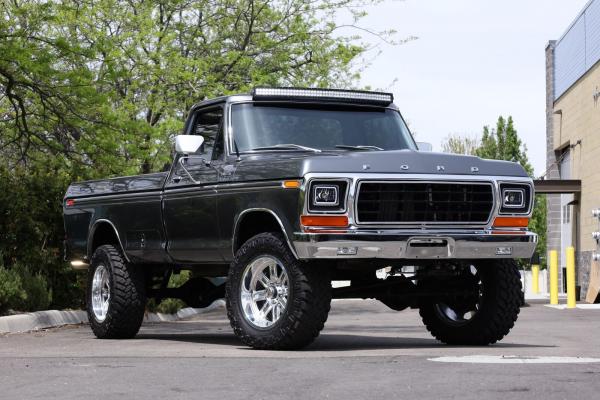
(414, 245)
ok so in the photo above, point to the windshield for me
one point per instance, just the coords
(305, 127)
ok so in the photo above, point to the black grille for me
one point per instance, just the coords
(421, 202)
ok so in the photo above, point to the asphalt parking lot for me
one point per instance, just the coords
(365, 352)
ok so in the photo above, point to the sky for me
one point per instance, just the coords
(473, 61)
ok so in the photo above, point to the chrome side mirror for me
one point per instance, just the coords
(188, 144)
(424, 146)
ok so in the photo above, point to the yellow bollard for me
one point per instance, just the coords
(553, 277)
(535, 276)
(571, 301)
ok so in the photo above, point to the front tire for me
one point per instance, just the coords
(274, 301)
(485, 316)
(116, 297)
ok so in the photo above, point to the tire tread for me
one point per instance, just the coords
(307, 312)
(128, 299)
(493, 323)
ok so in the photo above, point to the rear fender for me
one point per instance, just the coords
(101, 223)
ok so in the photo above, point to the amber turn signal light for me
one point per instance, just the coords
(511, 222)
(324, 220)
(291, 184)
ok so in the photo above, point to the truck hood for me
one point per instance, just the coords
(286, 165)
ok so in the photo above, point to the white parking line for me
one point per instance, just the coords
(581, 306)
(485, 359)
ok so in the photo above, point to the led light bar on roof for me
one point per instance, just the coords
(344, 96)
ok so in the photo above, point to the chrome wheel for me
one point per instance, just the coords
(100, 293)
(264, 291)
(461, 310)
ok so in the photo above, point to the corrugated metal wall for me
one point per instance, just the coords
(578, 50)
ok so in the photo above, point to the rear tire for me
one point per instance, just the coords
(116, 297)
(263, 277)
(496, 310)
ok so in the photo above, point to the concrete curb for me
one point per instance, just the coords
(40, 320)
(53, 318)
(183, 313)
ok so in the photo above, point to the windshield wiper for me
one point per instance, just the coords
(287, 146)
(359, 147)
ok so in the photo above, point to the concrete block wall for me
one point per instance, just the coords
(552, 200)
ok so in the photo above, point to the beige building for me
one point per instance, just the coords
(573, 138)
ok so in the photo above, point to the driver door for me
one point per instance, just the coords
(190, 202)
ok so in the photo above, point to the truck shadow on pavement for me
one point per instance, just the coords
(330, 341)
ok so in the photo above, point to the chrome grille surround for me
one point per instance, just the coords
(355, 177)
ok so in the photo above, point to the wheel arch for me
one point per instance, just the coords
(103, 231)
(245, 227)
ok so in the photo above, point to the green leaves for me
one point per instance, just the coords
(456, 144)
(31, 236)
(11, 290)
(90, 89)
(102, 86)
(503, 143)
(21, 290)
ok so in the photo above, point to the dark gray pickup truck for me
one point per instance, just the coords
(285, 190)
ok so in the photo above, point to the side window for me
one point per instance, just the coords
(209, 124)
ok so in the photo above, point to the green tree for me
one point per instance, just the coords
(93, 88)
(102, 86)
(458, 144)
(503, 143)
(31, 234)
